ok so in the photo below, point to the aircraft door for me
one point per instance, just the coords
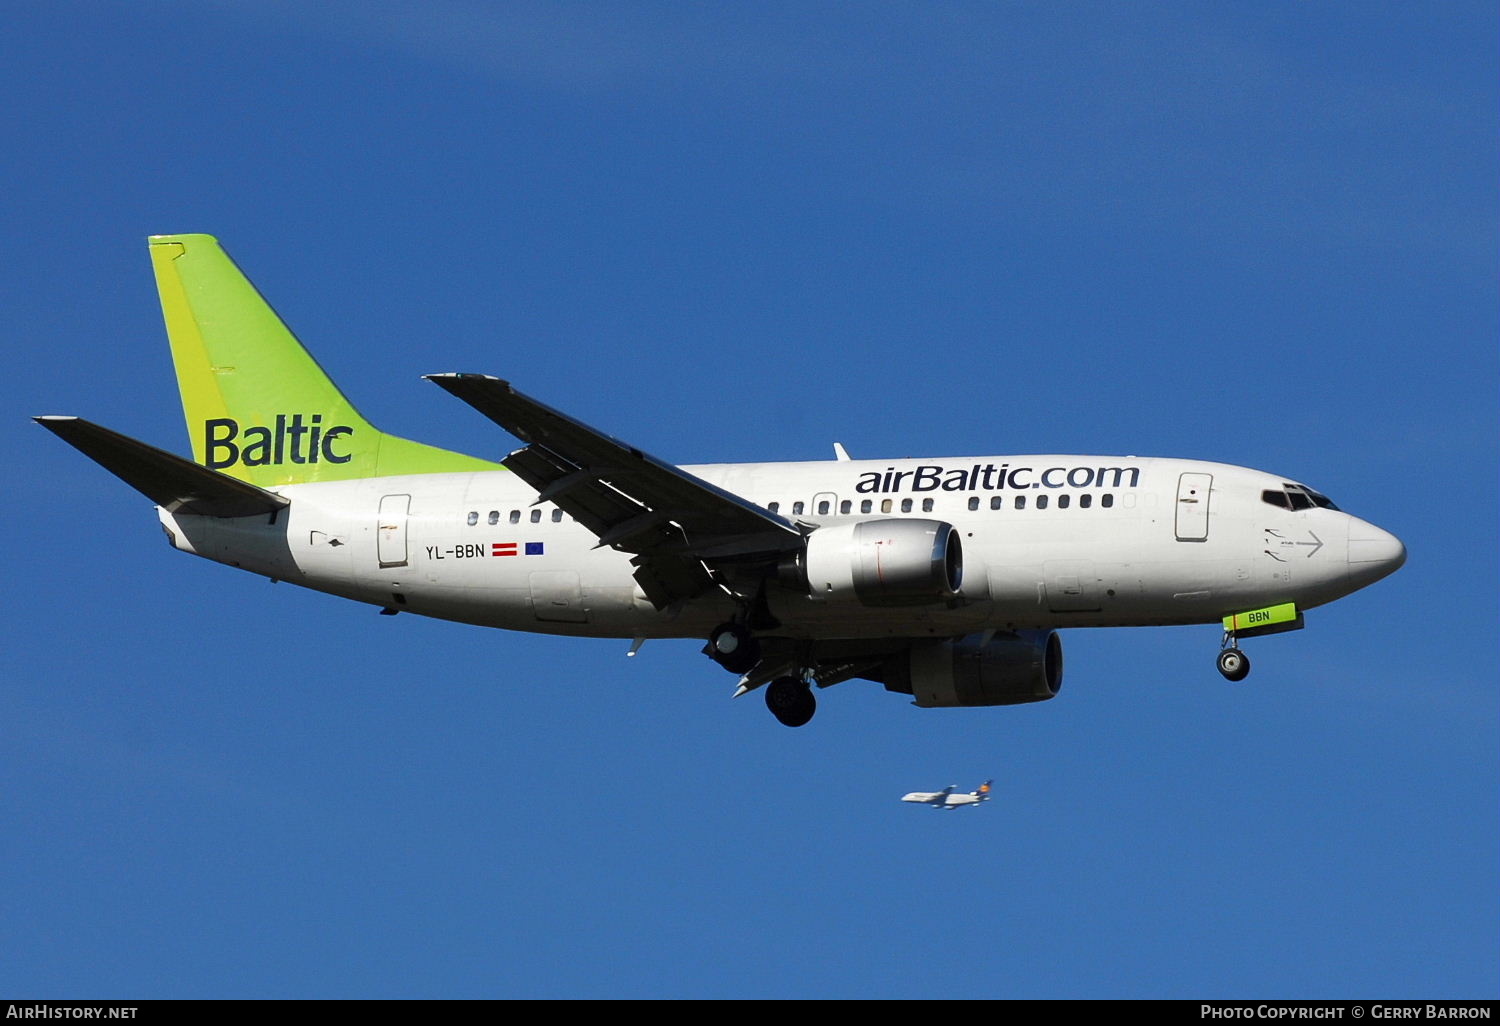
(824, 504)
(1193, 491)
(390, 530)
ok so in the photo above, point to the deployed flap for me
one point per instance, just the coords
(170, 481)
(628, 498)
(568, 456)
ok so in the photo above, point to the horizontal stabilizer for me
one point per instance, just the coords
(170, 481)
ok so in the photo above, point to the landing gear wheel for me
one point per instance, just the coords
(791, 701)
(1234, 664)
(733, 647)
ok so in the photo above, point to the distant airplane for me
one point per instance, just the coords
(946, 799)
(944, 579)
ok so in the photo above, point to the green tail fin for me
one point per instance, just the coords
(258, 406)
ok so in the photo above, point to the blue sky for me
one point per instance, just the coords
(1262, 234)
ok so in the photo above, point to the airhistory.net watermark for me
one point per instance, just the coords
(40, 1010)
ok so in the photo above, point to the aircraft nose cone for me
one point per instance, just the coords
(1373, 553)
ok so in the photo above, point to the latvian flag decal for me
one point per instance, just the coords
(510, 549)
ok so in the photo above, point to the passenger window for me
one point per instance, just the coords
(494, 517)
(1085, 501)
(797, 508)
(996, 500)
(557, 516)
(926, 505)
(536, 516)
(822, 507)
(473, 517)
(1020, 502)
(1063, 500)
(1041, 502)
(864, 505)
(515, 516)
(885, 505)
(906, 505)
(1107, 500)
(845, 506)
(774, 507)
(973, 502)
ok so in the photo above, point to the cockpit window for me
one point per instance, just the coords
(1296, 496)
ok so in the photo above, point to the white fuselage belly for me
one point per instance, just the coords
(1135, 545)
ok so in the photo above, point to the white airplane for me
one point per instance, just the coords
(945, 579)
(946, 799)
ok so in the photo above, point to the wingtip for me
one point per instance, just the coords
(462, 376)
(54, 420)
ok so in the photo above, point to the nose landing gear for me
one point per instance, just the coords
(1233, 663)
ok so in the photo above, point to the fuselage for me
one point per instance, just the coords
(1048, 541)
(938, 800)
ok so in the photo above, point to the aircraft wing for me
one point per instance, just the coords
(673, 522)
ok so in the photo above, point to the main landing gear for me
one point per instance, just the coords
(1233, 663)
(790, 698)
(733, 647)
(791, 701)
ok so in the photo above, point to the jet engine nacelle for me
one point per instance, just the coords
(1009, 669)
(881, 563)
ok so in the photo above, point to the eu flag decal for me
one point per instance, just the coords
(534, 548)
